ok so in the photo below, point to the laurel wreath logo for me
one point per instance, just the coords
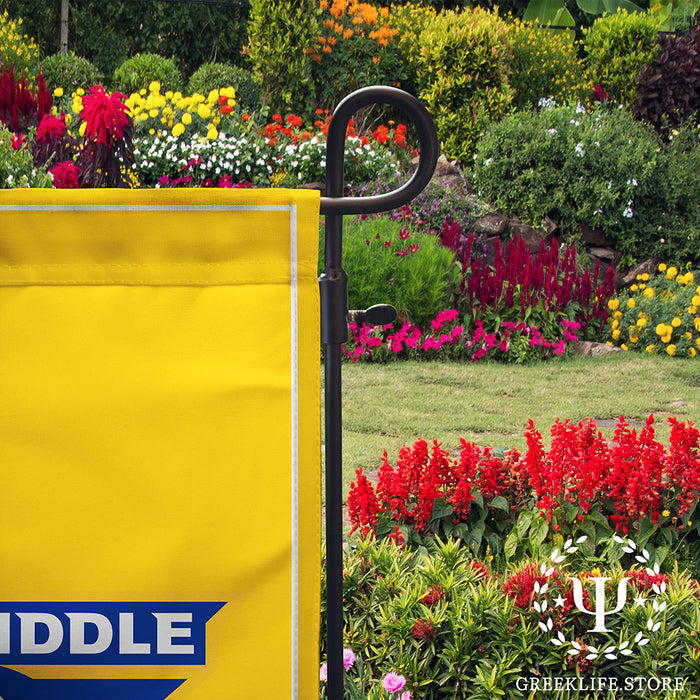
(613, 651)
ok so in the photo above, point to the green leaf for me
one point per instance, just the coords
(538, 533)
(500, 503)
(441, 509)
(646, 529)
(511, 544)
(591, 7)
(543, 11)
(523, 524)
(612, 6)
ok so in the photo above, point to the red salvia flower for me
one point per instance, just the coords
(65, 175)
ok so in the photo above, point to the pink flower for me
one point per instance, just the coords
(348, 659)
(393, 682)
(323, 674)
(405, 696)
(65, 175)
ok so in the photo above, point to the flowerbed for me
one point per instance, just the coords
(658, 314)
(477, 576)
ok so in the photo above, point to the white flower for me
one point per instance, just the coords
(579, 150)
(552, 132)
(488, 162)
(628, 213)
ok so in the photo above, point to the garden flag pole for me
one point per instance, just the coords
(334, 308)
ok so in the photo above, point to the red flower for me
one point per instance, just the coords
(362, 505)
(65, 175)
(423, 629)
(105, 115)
(51, 129)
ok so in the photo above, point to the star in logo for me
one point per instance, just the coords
(559, 601)
(639, 601)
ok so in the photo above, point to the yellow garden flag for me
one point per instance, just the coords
(160, 445)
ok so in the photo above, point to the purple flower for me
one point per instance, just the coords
(393, 682)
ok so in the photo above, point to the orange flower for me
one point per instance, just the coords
(316, 58)
(375, 59)
(338, 8)
(321, 40)
(347, 33)
(327, 49)
(245, 117)
(331, 40)
(323, 5)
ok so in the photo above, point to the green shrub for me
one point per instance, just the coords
(281, 38)
(214, 76)
(388, 263)
(617, 48)
(138, 72)
(546, 64)
(669, 87)
(453, 629)
(599, 169)
(658, 314)
(17, 165)
(18, 50)
(463, 70)
(69, 72)
(357, 46)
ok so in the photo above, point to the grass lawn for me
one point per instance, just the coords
(387, 406)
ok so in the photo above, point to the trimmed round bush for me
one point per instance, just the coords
(214, 76)
(69, 72)
(137, 73)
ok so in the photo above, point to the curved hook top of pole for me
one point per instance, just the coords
(334, 202)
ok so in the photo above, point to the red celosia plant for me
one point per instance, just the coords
(65, 175)
(633, 481)
(20, 107)
(53, 143)
(106, 155)
(522, 287)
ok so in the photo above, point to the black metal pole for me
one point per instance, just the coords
(333, 284)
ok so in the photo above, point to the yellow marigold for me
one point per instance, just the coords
(649, 292)
(671, 273)
(613, 304)
(634, 338)
(661, 329)
(662, 267)
(203, 111)
(642, 286)
(154, 86)
(615, 324)
(671, 350)
(616, 335)
(630, 303)
(651, 349)
(695, 301)
(58, 92)
(691, 352)
(676, 322)
(624, 347)
(696, 323)
(641, 322)
(692, 309)
(212, 133)
(178, 129)
(186, 118)
(645, 277)
(634, 288)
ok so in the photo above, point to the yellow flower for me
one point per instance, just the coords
(665, 513)
(671, 350)
(624, 347)
(696, 323)
(212, 134)
(186, 118)
(641, 322)
(649, 292)
(662, 267)
(695, 301)
(58, 92)
(630, 303)
(691, 352)
(634, 288)
(203, 111)
(615, 324)
(661, 329)
(671, 273)
(617, 315)
(82, 129)
(692, 309)
(616, 335)
(613, 304)
(80, 92)
(676, 322)
(645, 277)
(651, 349)
(178, 129)
(154, 86)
